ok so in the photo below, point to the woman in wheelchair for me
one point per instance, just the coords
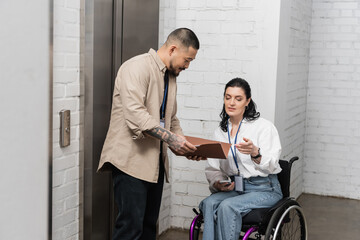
(250, 168)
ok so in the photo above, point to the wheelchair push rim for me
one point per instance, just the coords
(193, 227)
(302, 222)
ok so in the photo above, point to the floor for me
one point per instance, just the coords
(327, 218)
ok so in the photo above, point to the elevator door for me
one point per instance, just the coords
(115, 30)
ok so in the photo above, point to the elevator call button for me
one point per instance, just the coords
(64, 128)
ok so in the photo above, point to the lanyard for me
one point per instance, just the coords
(234, 151)
(166, 79)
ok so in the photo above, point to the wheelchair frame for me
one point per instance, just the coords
(268, 222)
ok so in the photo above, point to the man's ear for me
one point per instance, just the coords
(171, 49)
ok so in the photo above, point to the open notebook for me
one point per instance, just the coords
(208, 148)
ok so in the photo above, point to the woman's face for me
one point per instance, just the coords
(235, 102)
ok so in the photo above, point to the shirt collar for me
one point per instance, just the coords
(157, 59)
(243, 121)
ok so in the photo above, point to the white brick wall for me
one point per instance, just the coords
(332, 136)
(293, 139)
(233, 43)
(66, 96)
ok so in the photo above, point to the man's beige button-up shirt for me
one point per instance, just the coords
(138, 95)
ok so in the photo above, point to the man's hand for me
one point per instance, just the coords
(196, 158)
(180, 145)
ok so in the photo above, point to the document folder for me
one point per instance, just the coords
(208, 148)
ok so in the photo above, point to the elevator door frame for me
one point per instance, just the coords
(112, 36)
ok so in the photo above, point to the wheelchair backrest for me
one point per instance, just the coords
(284, 175)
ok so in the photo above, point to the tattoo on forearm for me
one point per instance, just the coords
(160, 133)
(166, 136)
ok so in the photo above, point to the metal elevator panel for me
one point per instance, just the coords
(97, 205)
(140, 27)
(115, 30)
(136, 29)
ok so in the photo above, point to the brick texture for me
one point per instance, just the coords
(66, 96)
(293, 141)
(231, 35)
(333, 108)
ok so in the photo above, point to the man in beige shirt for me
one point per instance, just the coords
(143, 124)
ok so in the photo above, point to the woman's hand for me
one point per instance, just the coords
(224, 187)
(247, 147)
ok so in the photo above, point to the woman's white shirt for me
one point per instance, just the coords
(264, 135)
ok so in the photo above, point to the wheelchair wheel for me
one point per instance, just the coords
(195, 228)
(287, 223)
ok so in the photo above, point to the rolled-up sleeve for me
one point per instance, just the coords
(132, 87)
(270, 147)
(213, 170)
(213, 173)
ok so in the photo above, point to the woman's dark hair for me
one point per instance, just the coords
(250, 112)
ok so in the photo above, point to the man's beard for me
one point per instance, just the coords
(172, 71)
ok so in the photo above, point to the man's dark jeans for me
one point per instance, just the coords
(138, 203)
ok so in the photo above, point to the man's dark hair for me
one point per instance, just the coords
(185, 36)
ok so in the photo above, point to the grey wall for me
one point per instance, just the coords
(25, 118)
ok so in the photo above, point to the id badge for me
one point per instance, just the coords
(239, 184)
(162, 123)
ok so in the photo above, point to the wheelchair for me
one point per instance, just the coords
(284, 221)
